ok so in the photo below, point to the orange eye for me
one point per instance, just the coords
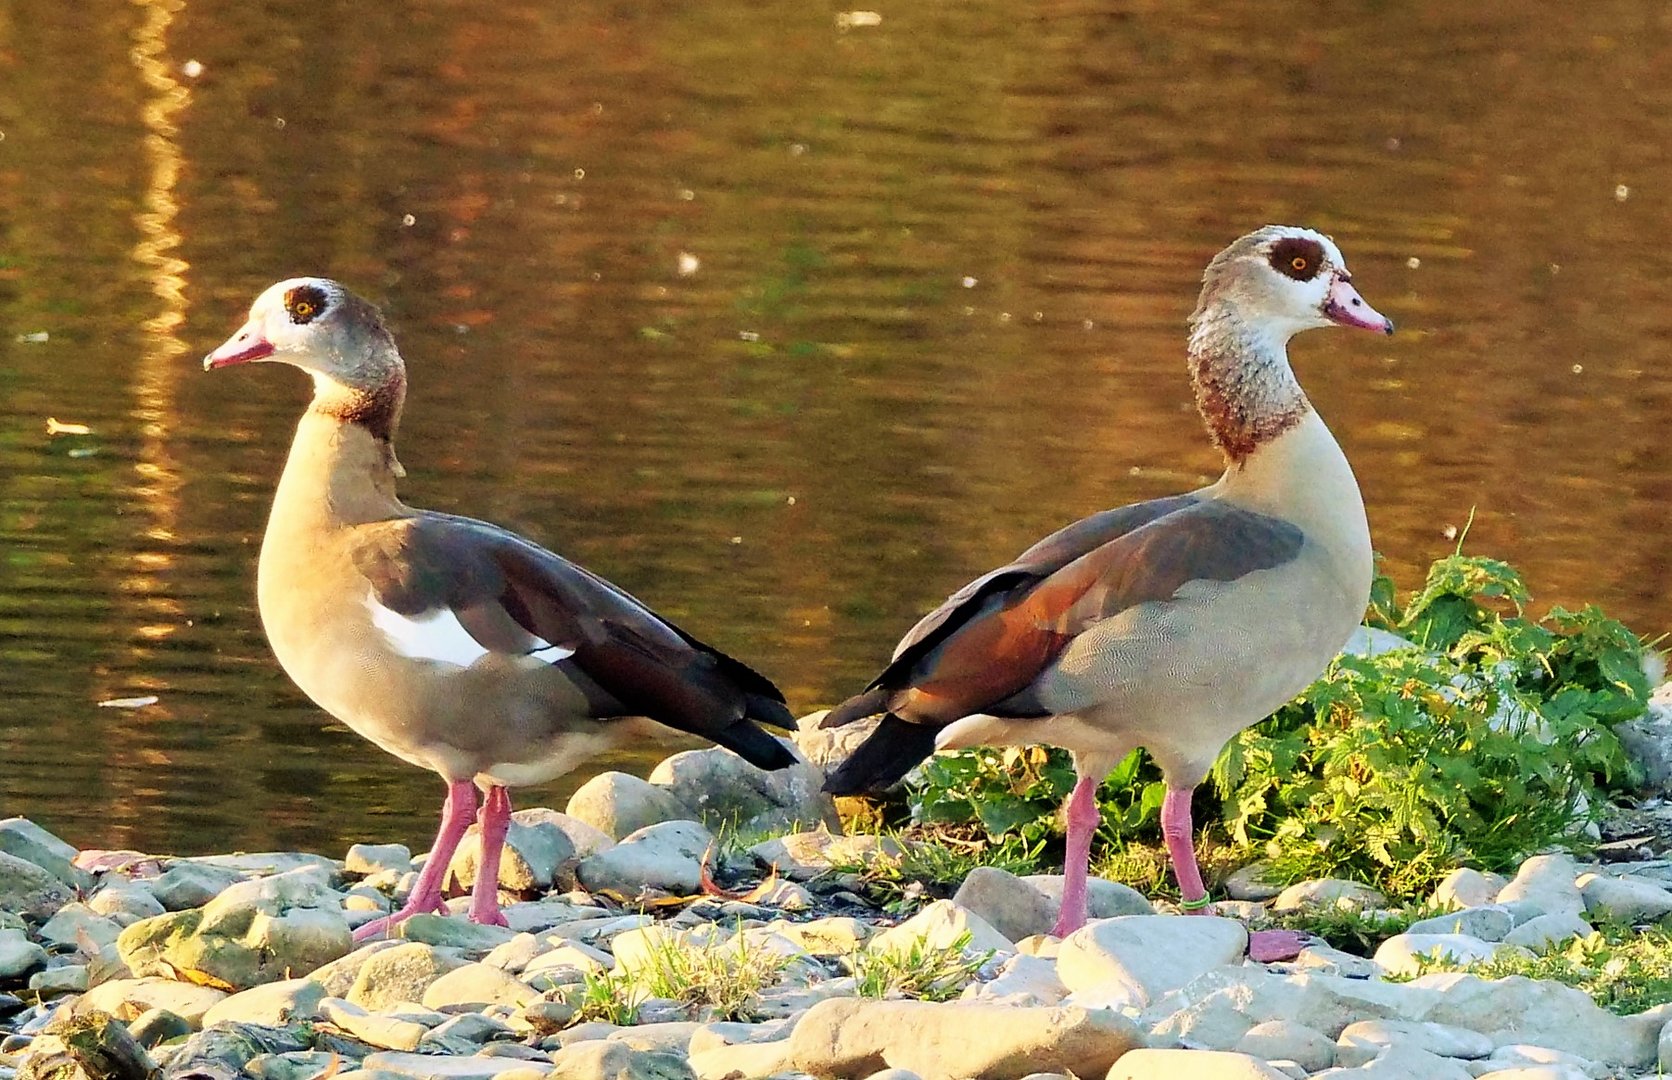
(1298, 262)
(304, 310)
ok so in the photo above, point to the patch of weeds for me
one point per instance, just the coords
(919, 971)
(933, 862)
(726, 979)
(608, 996)
(1349, 929)
(1624, 969)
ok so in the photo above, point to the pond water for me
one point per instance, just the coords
(786, 324)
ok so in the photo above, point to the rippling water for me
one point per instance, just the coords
(788, 328)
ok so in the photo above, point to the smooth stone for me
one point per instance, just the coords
(585, 838)
(664, 856)
(1521, 1055)
(803, 856)
(477, 985)
(368, 859)
(1104, 899)
(1285, 1039)
(1152, 953)
(619, 805)
(1249, 883)
(271, 863)
(26, 889)
(28, 841)
(938, 926)
(453, 932)
(574, 955)
(339, 975)
(437, 1067)
(132, 899)
(271, 1004)
(853, 1037)
(74, 924)
(472, 1028)
(294, 1065)
(155, 1026)
(594, 930)
(537, 915)
(639, 949)
(731, 1032)
(600, 1059)
(1327, 893)
(1021, 980)
(19, 957)
(514, 955)
(1623, 899)
(1546, 881)
(1326, 960)
(1217, 1009)
(386, 1032)
(1403, 954)
(256, 931)
(1663, 1052)
(130, 997)
(1362, 1042)
(402, 973)
(1149, 1064)
(1536, 1072)
(1402, 1062)
(894, 1074)
(69, 979)
(728, 792)
(1547, 930)
(1007, 903)
(529, 861)
(1466, 887)
(1521, 1010)
(833, 935)
(666, 1038)
(190, 885)
(1486, 923)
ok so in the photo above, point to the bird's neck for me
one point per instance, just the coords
(1245, 390)
(340, 473)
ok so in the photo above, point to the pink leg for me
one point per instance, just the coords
(456, 814)
(1083, 819)
(495, 821)
(1264, 946)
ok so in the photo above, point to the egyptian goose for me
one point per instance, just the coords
(1171, 624)
(451, 643)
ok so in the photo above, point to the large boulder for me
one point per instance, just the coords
(726, 791)
(618, 804)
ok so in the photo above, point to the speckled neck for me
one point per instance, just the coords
(1245, 391)
(376, 409)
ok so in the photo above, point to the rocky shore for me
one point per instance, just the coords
(624, 960)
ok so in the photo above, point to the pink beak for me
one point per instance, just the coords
(241, 348)
(1345, 306)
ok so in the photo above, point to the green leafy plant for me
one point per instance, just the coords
(920, 970)
(932, 863)
(608, 996)
(1487, 739)
(725, 979)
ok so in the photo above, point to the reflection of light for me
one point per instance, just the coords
(158, 480)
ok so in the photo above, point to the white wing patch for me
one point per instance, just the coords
(436, 635)
(550, 653)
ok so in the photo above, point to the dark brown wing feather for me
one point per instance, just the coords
(990, 652)
(513, 596)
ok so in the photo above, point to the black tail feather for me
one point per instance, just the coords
(768, 710)
(755, 745)
(885, 756)
(858, 707)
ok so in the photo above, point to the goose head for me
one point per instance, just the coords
(1285, 279)
(317, 325)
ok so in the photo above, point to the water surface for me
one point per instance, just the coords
(788, 328)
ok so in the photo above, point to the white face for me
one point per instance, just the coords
(297, 321)
(1293, 279)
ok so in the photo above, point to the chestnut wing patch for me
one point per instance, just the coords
(988, 662)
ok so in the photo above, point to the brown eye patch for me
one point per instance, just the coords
(1297, 257)
(304, 304)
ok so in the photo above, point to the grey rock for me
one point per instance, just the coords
(855, 1037)
(271, 1004)
(938, 926)
(27, 840)
(387, 1032)
(182, 998)
(69, 979)
(1166, 1064)
(829, 747)
(1522, 1010)
(19, 957)
(256, 931)
(338, 977)
(454, 932)
(1648, 741)
(1466, 887)
(477, 985)
(1327, 893)
(673, 1037)
(74, 924)
(367, 859)
(514, 954)
(803, 856)
(664, 856)
(619, 805)
(530, 860)
(1021, 980)
(1364, 1041)
(1287, 1040)
(399, 974)
(1402, 954)
(471, 1028)
(600, 1059)
(155, 1026)
(293, 1065)
(131, 899)
(1547, 930)
(1623, 899)
(1486, 923)
(741, 1059)
(1150, 953)
(543, 915)
(27, 889)
(434, 1067)
(1104, 899)
(269, 863)
(1249, 883)
(1008, 904)
(584, 838)
(189, 885)
(1546, 881)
